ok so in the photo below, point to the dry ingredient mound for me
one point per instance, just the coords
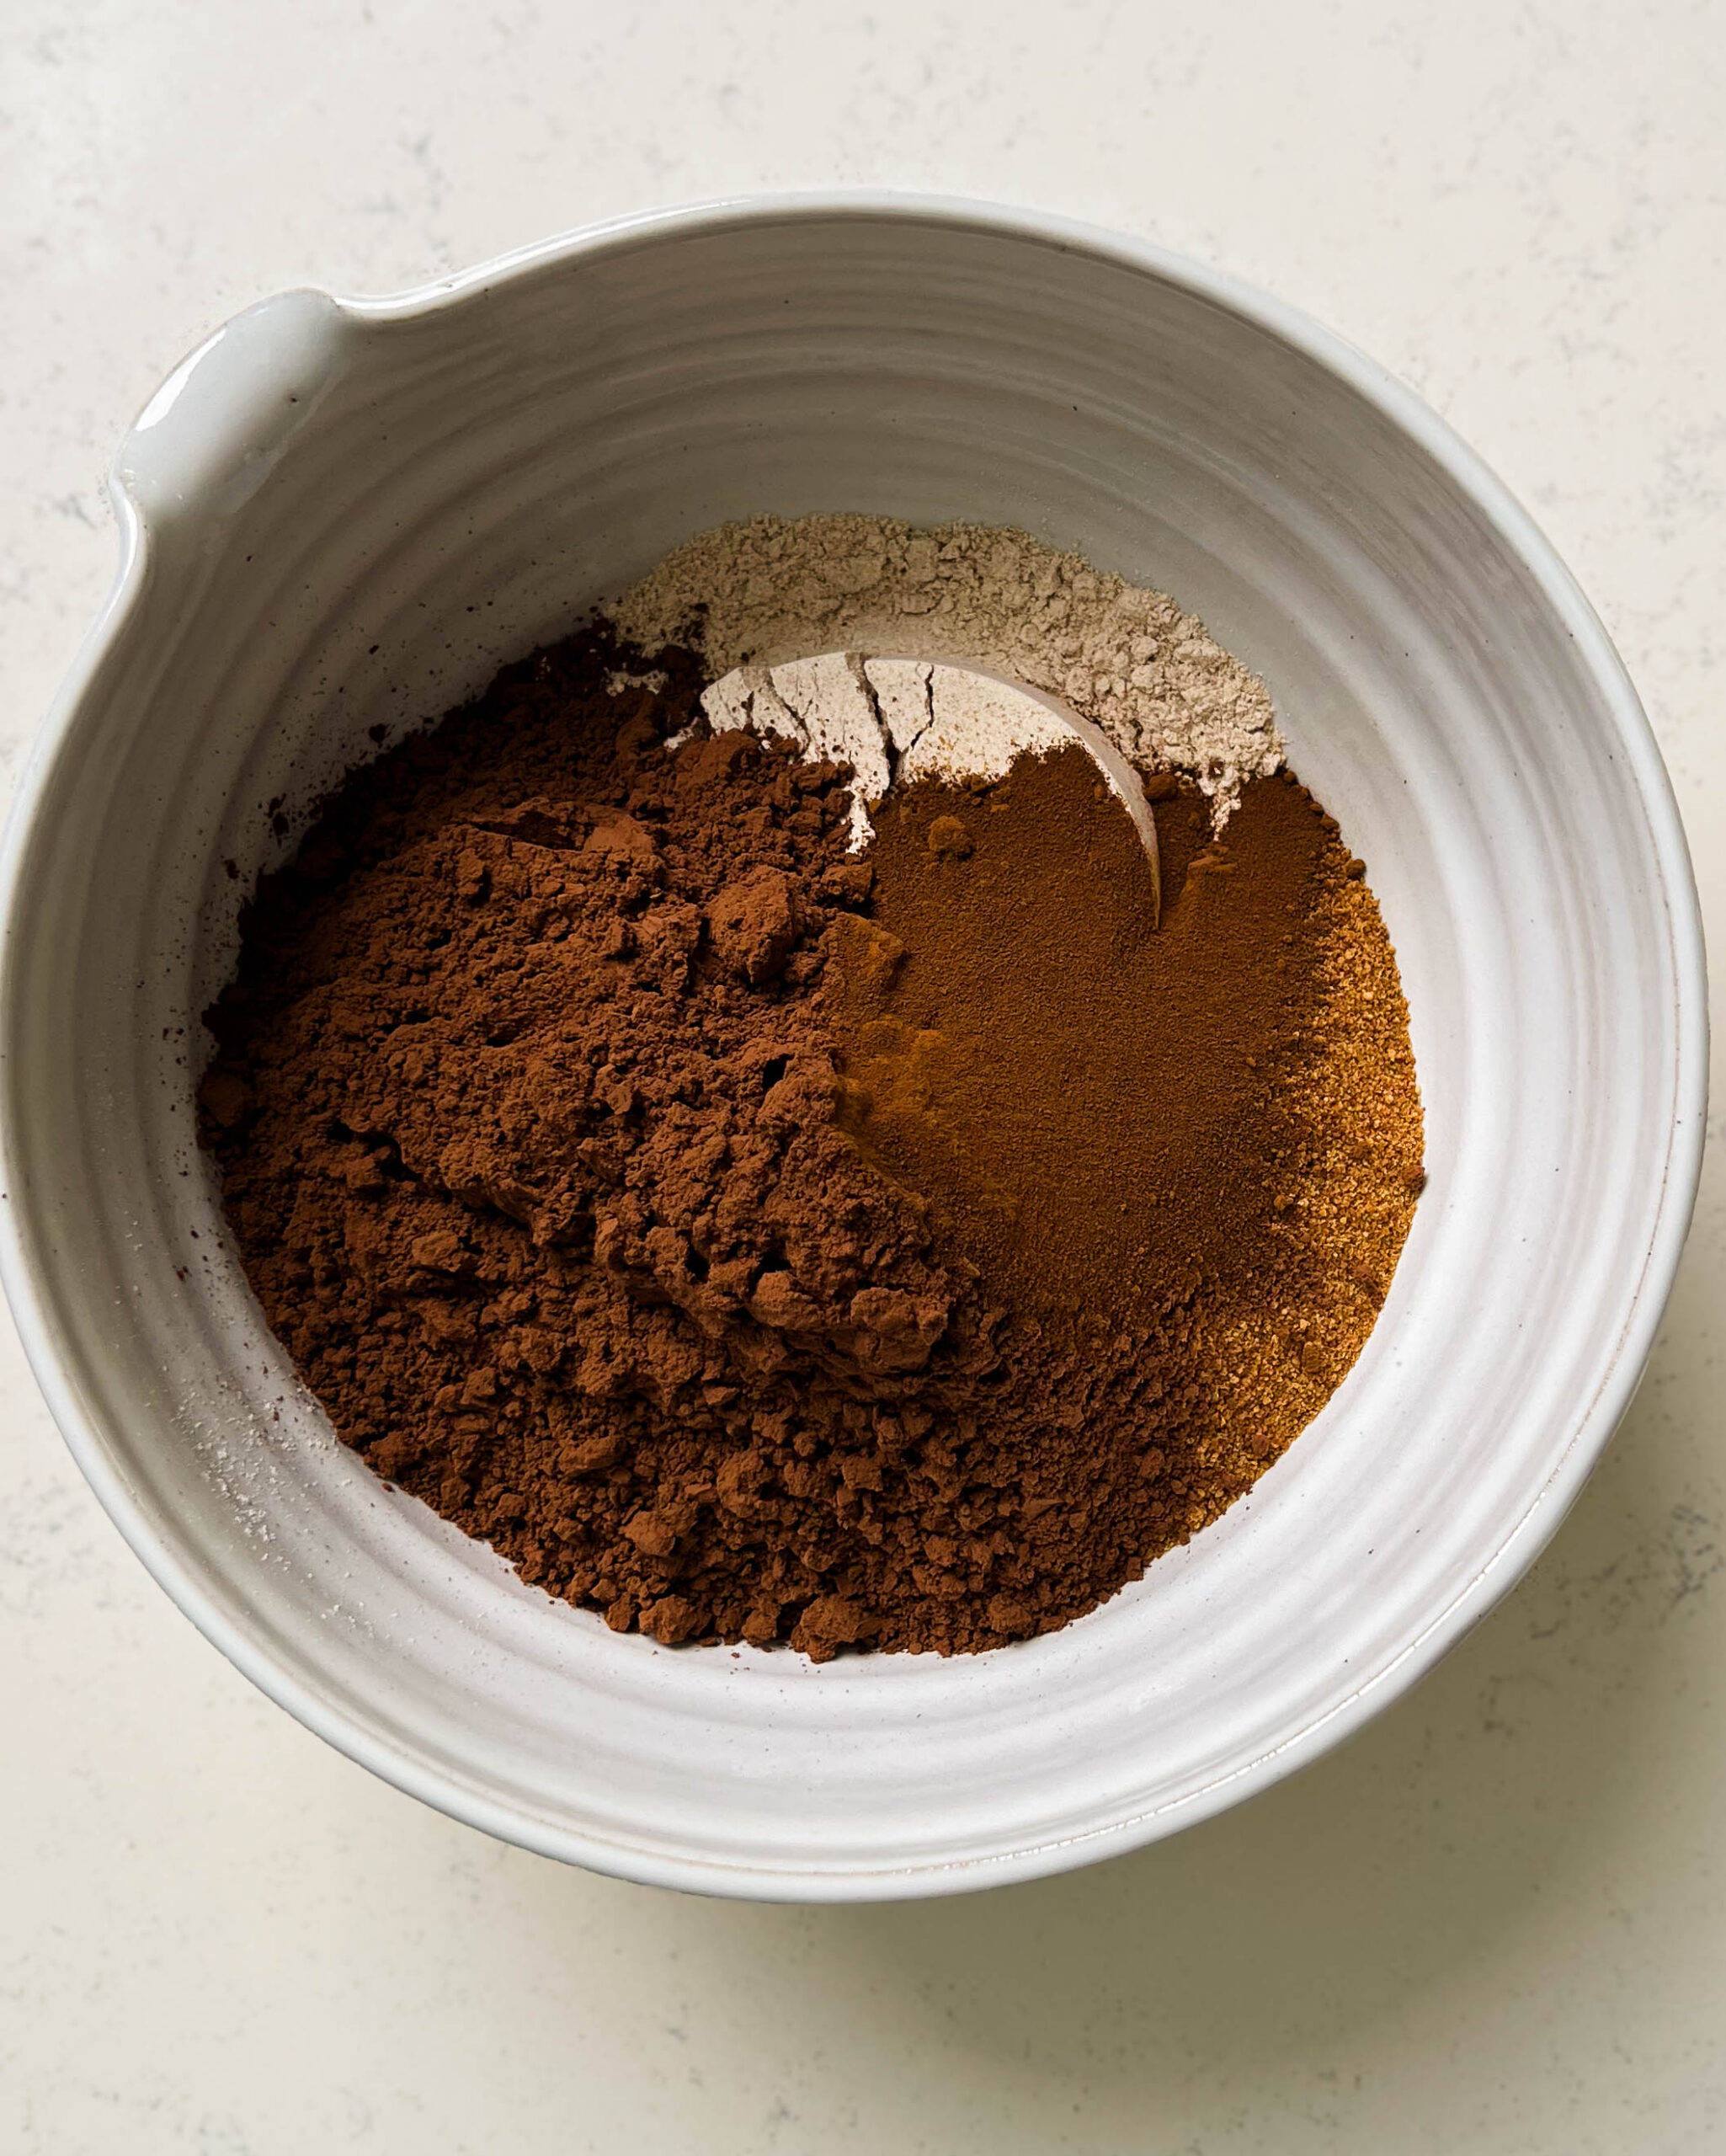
(1125, 657)
(753, 1242)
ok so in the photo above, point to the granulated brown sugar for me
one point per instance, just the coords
(533, 1142)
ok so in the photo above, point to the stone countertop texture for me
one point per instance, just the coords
(1494, 1923)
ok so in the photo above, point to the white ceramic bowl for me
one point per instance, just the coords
(337, 513)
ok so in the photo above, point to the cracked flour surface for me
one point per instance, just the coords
(763, 594)
(893, 720)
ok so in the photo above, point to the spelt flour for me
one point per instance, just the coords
(1127, 658)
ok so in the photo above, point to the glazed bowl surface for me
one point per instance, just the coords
(339, 515)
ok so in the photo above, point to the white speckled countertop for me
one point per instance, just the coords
(1494, 1923)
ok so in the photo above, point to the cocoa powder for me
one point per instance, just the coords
(756, 1243)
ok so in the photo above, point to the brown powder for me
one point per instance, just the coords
(533, 1142)
(1094, 1098)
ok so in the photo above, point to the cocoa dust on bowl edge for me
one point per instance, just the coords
(754, 1233)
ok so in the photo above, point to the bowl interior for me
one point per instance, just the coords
(349, 514)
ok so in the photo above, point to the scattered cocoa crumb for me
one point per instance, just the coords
(948, 836)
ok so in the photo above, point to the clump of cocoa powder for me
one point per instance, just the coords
(589, 1123)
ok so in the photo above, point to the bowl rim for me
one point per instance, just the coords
(39, 1322)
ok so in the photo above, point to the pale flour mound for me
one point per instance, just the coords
(773, 589)
(893, 720)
